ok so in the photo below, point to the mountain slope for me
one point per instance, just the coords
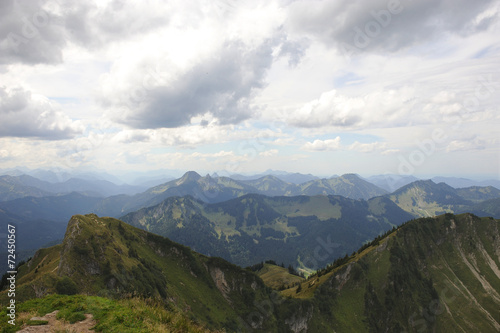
(477, 194)
(271, 185)
(293, 178)
(390, 182)
(106, 257)
(431, 275)
(12, 188)
(425, 198)
(218, 189)
(30, 235)
(208, 189)
(463, 182)
(56, 208)
(485, 208)
(255, 228)
(94, 187)
(348, 185)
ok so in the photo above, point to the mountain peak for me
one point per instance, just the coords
(190, 176)
(350, 176)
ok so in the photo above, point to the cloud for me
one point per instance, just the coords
(390, 151)
(332, 109)
(28, 33)
(322, 145)
(220, 84)
(335, 144)
(388, 25)
(33, 32)
(26, 115)
(468, 144)
(269, 153)
(367, 147)
(294, 50)
(97, 24)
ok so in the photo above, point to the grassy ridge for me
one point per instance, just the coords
(106, 257)
(277, 277)
(430, 274)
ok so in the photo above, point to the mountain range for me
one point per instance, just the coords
(218, 189)
(419, 199)
(13, 187)
(251, 228)
(438, 274)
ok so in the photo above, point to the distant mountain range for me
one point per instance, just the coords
(13, 187)
(294, 178)
(211, 188)
(391, 183)
(218, 189)
(429, 275)
(419, 199)
(255, 228)
(245, 229)
(463, 182)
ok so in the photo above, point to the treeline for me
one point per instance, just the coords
(260, 265)
(344, 260)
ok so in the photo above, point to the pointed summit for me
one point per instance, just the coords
(190, 176)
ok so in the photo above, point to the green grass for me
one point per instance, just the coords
(277, 276)
(397, 270)
(128, 315)
(319, 206)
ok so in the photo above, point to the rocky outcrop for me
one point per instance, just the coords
(299, 322)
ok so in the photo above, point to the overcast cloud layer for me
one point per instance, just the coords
(322, 87)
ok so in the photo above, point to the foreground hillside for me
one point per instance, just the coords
(82, 313)
(108, 258)
(429, 275)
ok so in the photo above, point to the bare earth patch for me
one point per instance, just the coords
(55, 325)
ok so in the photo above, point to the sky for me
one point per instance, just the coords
(322, 87)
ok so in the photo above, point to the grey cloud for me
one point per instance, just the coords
(294, 50)
(33, 32)
(94, 27)
(386, 25)
(23, 116)
(221, 85)
(29, 34)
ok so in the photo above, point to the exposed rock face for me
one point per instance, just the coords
(299, 322)
(220, 282)
(72, 231)
(343, 277)
(90, 258)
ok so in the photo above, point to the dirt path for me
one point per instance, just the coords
(55, 325)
